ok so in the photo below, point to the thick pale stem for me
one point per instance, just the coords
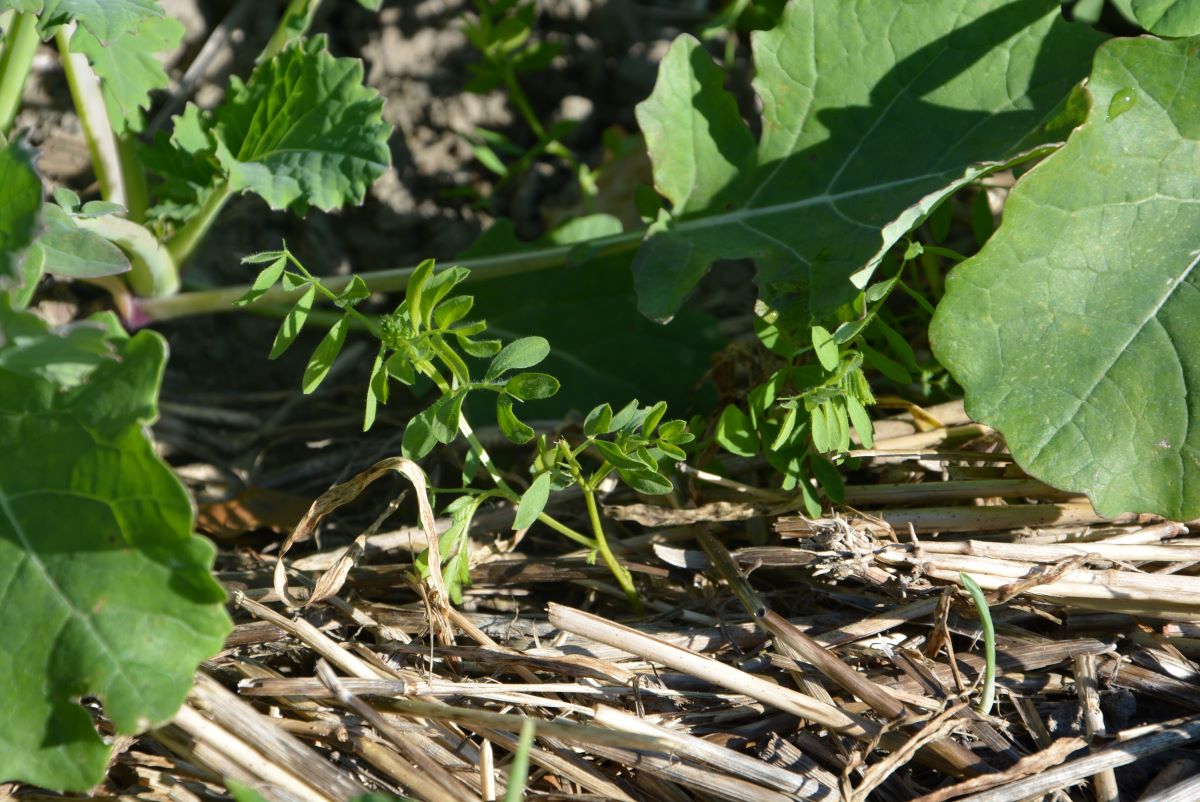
(93, 117)
(221, 300)
(183, 242)
(20, 43)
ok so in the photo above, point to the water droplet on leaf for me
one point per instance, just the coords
(1124, 100)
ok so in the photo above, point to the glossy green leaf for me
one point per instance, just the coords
(325, 354)
(289, 330)
(377, 389)
(615, 456)
(129, 68)
(517, 355)
(108, 592)
(533, 502)
(862, 421)
(1076, 331)
(735, 432)
(1168, 17)
(841, 172)
(303, 131)
(510, 425)
(653, 416)
(829, 477)
(646, 481)
(267, 278)
(20, 206)
(826, 348)
(598, 421)
(531, 386)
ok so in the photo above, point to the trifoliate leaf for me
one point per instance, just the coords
(872, 115)
(129, 67)
(303, 130)
(1076, 330)
(20, 207)
(111, 589)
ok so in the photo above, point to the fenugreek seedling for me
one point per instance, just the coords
(430, 334)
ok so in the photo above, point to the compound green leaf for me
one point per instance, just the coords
(1168, 17)
(129, 67)
(303, 130)
(872, 115)
(20, 206)
(1076, 330)
(98, 562)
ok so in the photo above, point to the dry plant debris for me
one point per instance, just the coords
(839, 660)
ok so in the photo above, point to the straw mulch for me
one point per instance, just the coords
(781, 658)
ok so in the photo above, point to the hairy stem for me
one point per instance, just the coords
(93, 117)
(20, 43)
(183, 242)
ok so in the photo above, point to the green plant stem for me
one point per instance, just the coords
(137, 194)
(183, 242)
(20, 44)
(989, 643)
(295, 22)
(517, 95)
(618, 571)
(93, 118)
(485, 459)
(211, 301)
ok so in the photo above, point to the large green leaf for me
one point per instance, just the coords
(872, 114)
(601, 348)
(105, 590)
(1168, 17)
(128, 67)
(1076, 330)
(106, 19)
(303, 130)
(20, 206)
